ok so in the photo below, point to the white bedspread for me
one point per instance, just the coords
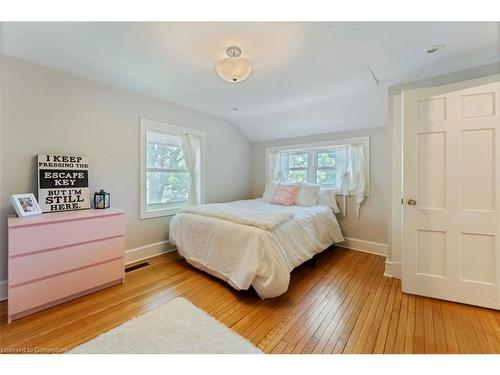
(245, 255)
(248, 212)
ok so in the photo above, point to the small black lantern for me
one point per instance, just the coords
(101, 199)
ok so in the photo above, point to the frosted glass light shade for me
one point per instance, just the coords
(233, 69)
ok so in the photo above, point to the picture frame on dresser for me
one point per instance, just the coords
(25, 204)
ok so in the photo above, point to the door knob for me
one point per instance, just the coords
(412, 202)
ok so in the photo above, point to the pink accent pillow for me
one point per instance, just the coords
(285, 194)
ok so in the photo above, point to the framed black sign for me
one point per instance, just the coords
(63, 182)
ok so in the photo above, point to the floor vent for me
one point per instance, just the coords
(136, 267)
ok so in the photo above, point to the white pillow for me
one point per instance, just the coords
(327, 197)
(270, 191)
(308, 195)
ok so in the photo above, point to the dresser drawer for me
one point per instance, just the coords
(27, 296)
(47, 263)
(31, 238)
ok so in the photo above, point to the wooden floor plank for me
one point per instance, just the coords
(399, 345)
(350, 337)
(394, 320)
(357, 344)
(336, 322)
(292, 330)
(282, 348)
(494, 343)
(374, 329)
(337, 296)
(344, 304)
(439, 332)
(341, 334)
(488, 321)
(482, 340)
(419, 326)
(386, 320)
(429, 333)
(467, 340)
(300, 332)
(410, 326)
(449, 329)
(288, 321)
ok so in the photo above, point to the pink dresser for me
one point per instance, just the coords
(56, 257)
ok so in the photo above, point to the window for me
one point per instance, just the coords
(313, 166)
(297, 167)
(169, 178)
(326, 171)
(322, 163)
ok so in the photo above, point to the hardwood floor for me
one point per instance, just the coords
(343, 305)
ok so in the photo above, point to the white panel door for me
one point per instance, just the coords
(451, 186)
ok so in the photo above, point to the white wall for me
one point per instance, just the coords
(47, 111)
(372, 225)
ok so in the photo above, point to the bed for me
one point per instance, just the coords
(253, 242)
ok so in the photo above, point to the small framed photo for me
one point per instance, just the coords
(25, 205)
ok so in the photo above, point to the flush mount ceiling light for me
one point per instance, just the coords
(233, 68)
(434, 49)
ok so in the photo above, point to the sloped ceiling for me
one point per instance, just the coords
(308, 78)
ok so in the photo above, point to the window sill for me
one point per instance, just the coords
(159, 213)
(351, 194)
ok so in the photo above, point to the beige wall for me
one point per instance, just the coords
(47, 111)
(372, 225)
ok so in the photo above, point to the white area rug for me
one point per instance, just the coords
(175, 327)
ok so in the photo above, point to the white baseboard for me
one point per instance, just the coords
(392, 269)
(3, 290)
(365, 246)
(147, 251)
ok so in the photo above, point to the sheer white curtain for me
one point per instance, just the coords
(191, 149)
(353, 176)
(275, 172)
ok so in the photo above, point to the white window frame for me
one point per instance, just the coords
(323, 146)
(173, 208)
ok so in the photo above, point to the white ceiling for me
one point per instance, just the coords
(308, 78)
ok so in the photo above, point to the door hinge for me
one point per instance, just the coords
(402, 201)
